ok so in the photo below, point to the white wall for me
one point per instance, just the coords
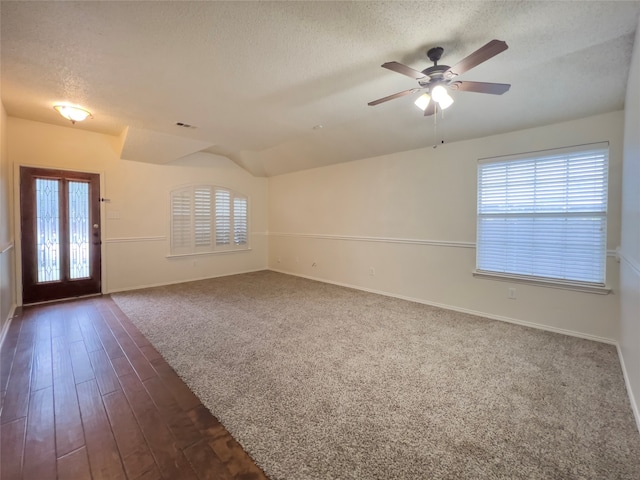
(135, 245)
(630, 247)
(7, 278)
(411, 217)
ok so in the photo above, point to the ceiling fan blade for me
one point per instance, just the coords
(431, 109)
(481, 87)
(403, 69)
(483, 54)
(391, 97)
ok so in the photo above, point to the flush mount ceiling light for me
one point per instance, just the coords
(74, 114)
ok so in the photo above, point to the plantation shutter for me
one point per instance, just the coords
(223, 217)
(200, 213)
(202, 218)
(240, 221)
(544, 215)
(181, 238)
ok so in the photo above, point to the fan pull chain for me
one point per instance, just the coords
(435, 127)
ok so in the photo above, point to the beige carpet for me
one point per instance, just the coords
(323, 382)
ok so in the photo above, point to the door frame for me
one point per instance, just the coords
(17, 221)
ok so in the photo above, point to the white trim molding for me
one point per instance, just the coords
(155, 238)
(490, 316)
(6, 248)
(541, 282)
(629, 261)
(197, 279)
(7, 324)
(627, 383)
(136, 239)
(405, 241)
(635, 407)
(351, 238)
(215, 252)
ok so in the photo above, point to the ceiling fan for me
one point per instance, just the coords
(438, 78)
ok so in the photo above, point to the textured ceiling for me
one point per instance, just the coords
(256, 77)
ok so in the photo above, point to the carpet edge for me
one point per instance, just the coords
(537, 326)
(163, 284)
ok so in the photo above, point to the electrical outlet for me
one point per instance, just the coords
(372, 271)
(512, 293)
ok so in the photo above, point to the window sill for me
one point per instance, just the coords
(564, 285)
(200, 254)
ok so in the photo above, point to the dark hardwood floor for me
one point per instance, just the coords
(85, 396)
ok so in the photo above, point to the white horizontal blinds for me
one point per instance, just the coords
(181, 232)
(223, 217)
(202, 218)
(545, 215)
(240, 221)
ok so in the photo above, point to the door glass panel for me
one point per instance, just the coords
(79, 230)
(47, 225)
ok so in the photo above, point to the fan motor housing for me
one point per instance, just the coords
(435, 54)
(434, 73)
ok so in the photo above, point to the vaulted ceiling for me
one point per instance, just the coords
(255, 78)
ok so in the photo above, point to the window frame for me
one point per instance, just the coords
(191, 235)
(518, 277)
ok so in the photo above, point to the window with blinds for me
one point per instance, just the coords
(181, 221)
(544, 215)
(202, 216)
(223, 217)
(239, 221)
(206, 218)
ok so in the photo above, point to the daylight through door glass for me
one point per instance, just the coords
(79, 233)
(48, 225)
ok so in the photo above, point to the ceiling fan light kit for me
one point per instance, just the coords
(422, 102)
(438, 93)
(444, 100)
(438, 79)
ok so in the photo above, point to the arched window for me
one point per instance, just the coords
(207, 218)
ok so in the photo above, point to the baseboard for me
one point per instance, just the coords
(60, 300)
(491, 316)
(7, 324)
(162, 284)
(632, 399)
